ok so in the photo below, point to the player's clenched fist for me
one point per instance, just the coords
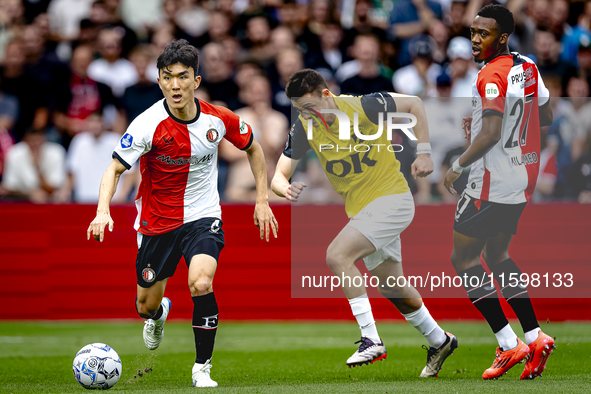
(97, 226)
(422, 166)
(293, 191)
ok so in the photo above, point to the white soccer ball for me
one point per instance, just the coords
(97, 366)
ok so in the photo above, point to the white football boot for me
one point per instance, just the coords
(368, 353)
(436, 357)
(154, 329)
(201, 376)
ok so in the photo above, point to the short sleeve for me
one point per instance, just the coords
(136, 142)
(238, 132)
(297, 142)
(543, 92)
(375, 103)
(493, 90)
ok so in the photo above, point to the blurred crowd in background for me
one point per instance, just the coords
(75, 73)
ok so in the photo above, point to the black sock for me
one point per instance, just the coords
(205, 325)
(484, 297)
(157, 315)
(515, 292)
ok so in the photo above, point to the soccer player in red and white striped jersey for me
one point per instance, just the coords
(510, 103)
(179, 213)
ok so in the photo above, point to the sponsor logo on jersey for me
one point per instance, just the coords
(149, 275)
(530, 82)
(212, 135)
(243, 127)
(520, 78)
(181, 161)
(491, 91)
(126, 141)
(169, 140)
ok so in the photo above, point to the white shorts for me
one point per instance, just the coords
(381, 222)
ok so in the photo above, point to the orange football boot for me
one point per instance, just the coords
(540, 350)
(505, 360)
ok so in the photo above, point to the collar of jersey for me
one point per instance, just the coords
(498, 57)
(180, 120)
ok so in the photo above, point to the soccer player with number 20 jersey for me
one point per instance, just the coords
(510, 103)
(179, 214)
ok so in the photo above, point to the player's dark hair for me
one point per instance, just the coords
(304, 81)
(501, 14)
(179, 51)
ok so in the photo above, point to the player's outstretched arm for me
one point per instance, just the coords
(263, 216)
(482, 143)
(280, 183)
(423, 165)
(106, 192)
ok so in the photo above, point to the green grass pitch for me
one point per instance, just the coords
(282, 358)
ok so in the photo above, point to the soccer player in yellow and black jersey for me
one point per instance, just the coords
(377, 200)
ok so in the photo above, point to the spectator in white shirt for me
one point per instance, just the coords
(462, 67)
(111, 69)
(90, 152)
(34, 168)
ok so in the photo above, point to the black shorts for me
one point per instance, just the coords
(159, 255)
(484, 219)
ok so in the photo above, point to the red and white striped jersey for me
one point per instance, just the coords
(178, 163)
(509, 86)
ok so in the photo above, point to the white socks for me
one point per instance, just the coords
(421, 320)
(507, 338)
(532, 335)
(361, 309)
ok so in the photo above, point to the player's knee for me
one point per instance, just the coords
(334, 260)
(200, 286)
(461, 263)
(455, 259)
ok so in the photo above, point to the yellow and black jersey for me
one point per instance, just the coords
(359, 170)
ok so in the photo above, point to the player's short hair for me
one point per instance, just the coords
(179, 51)
(501, 14)
(305, 81)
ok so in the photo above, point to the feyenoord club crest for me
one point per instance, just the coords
(212, 135)
(149, 275)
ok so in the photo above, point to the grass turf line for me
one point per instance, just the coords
(282, 358)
